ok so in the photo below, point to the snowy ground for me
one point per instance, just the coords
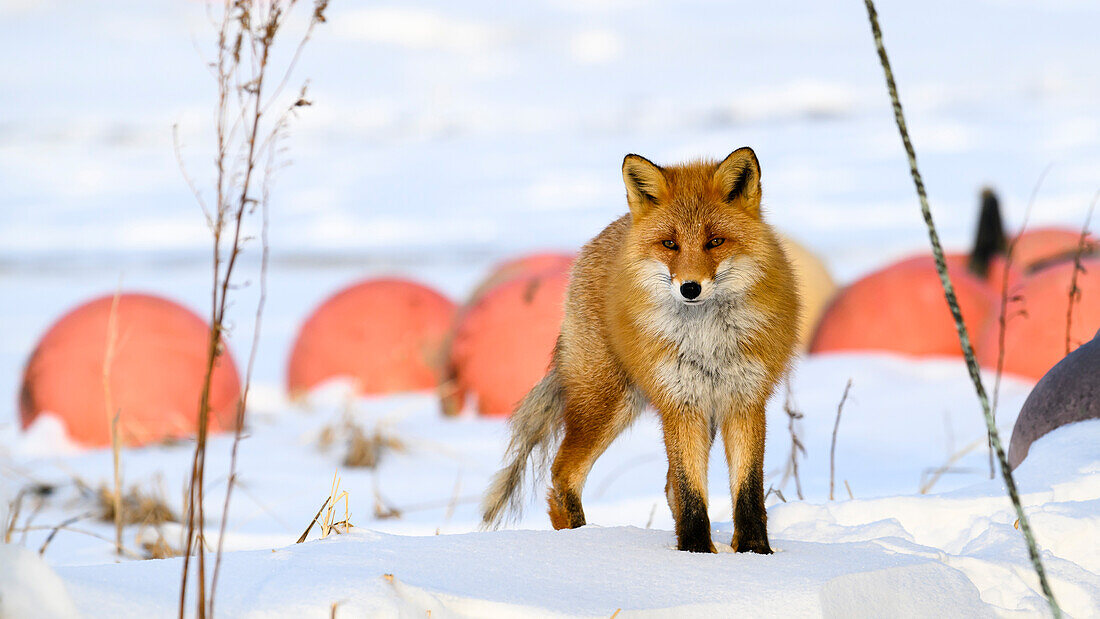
(446, 136)
(886, 551)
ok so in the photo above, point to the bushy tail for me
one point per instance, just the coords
(535, 424)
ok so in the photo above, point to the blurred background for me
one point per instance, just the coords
(444, 136)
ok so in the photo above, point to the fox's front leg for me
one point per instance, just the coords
(743, 435)
(687, 441)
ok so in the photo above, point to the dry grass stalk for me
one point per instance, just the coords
(382, 508)
(326, 515)
(66, 523)
(793, 415)
(14, 508)
(1003, 315)
(956, 313)
(68, 528)
(113, 415)
(39, 491)
(328, 522)
(777, 492)
(849, 489)
(453, 503)
(316, 517)
(930, 476)
(246, 34)
(832, 448)
(1074, 291)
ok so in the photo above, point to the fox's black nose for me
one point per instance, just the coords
(690, 290)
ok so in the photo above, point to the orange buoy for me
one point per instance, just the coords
(155, 372)
(995, 273)
(384, 334)
(503, 342)
(1035, 339)
(1042, 247)
(523, 265)
(902, 309)
(815, 286)
(452, 397)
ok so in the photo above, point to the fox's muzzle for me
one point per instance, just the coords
(690, 290)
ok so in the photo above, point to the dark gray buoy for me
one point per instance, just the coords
(1067, 393)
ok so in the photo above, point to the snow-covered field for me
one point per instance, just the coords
(444, 136)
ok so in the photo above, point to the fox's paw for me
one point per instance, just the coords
(696, 543)
(759, 546)
(565, 510)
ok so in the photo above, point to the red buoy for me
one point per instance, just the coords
(383, 334)
(523, 265)
(154, 374)
(1042, 247)
(1035, 339)
(452, 396)
(503, 342)
(902, 309)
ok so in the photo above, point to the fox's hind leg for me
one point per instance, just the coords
(594, 416)
(743, 435)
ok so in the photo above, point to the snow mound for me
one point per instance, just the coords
(953, 555)
(29, 588)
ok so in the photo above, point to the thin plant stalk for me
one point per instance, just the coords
(960, 326)
(1002, 318)
(246, 35)
(832, 447)
(1074, 291)
(112, 416)
(242, 403)
(793, 415)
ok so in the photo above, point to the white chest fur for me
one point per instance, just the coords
(709, 368)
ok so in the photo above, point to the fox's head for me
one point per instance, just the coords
(697, 231)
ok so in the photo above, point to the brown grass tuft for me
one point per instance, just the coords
(364, 449)
(137, 507)
(326, 515)
(158, 548)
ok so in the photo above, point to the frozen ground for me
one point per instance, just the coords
(446, 135)
(889, 549)
(954, 553)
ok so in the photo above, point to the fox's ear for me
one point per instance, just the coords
(645, 184)
(738, 179)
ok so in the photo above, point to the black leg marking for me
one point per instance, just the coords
(693, 526)
(571, 501)
(750, 520)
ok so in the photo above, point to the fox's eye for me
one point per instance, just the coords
(670, 244)
(715, 242)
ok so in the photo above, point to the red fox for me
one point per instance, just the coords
(687, 303)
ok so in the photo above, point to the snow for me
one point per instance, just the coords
(29, 588)
(446, 136)
(954, 554)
